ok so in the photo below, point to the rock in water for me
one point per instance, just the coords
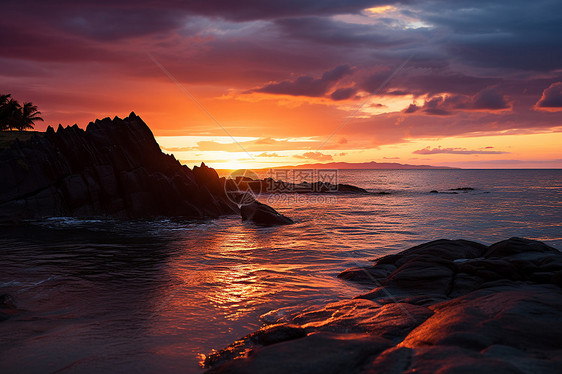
(262, 214)
(114, 168)
(447, 306)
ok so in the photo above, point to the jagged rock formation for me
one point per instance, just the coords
(113, 168)
(447, 306)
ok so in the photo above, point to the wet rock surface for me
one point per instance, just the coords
(263, 215)
(447, 306)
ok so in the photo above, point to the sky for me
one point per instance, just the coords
(255, 84)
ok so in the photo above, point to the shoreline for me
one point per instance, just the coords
(444, 306)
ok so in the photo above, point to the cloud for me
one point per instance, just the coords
(436, 106)
(317, 156)
(306, 85)
(457, 151)
(265, 154)
(343, 93)
(551, 97)
(265, 141)
(342, 140)
(412, 108)
(178, 149)
(270, 9)
(480, 58)
(489, 99)
(447, 104)
(333, 32)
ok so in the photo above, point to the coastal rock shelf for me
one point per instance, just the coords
(447, 306)
(114, 168)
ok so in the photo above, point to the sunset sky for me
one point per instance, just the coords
(472, 84)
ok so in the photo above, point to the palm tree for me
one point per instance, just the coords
(12, 113)
(14, 116)
(28, 114)
(4, 99)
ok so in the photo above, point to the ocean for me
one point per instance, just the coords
(153, 296)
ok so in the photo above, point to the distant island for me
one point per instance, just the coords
(363, 166)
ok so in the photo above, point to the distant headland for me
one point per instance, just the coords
(373, 165)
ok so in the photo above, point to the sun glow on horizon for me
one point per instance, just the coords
(482, 151)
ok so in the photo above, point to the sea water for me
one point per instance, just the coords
(152, 296)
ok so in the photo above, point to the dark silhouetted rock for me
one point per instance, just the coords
(447, 306)
(262, 214)
(516, 246)
(322, 353)
(113, 168)
(271, 186)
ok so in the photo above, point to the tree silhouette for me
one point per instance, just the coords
(15, 116)
(28, 115)
(4, 111)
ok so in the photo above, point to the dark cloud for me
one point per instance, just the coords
(343, 93)
(268, 9)
(337, 33)
(111, 24)
(317, 156)
(419, 82)
(489, 99)
(412, 108)
(443, 105)
(45, 45)
(242, 10)
(436, 106)
(470, 58)
(551, 97)
(517, 34)
(374, 82)
(306, 85)
(437, 112)
(457, 151)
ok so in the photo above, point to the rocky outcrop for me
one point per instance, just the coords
(272, 186)
(447, 306)
(113, 168)
(263, 215)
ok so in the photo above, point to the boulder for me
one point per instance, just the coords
(263, 215)
(321, 353)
